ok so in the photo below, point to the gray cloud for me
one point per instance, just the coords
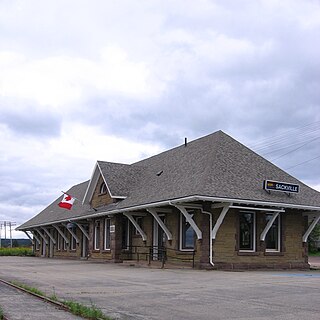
(248, 68)
(25, 118)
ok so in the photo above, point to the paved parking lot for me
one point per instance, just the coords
(125, 292)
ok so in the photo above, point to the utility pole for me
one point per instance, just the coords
(6, 224)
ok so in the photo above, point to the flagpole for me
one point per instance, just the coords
(70, 195)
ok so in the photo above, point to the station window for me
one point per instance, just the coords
(97, 235)
(247, 232)
(37, 245)
(65, 244)
(103, 188)
(73, 240)
(187, 234)
(107, 238)
(273, 237)
(59, 241)
(125, 234)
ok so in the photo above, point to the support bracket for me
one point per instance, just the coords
(61, 233)
(160, 222)
(220, 220)
(27, 234)
(311, 227)
(269, 225)
(42, 236)
(49, 235)
(72, 233)
(82, 230)
(134, 222)
(189, 219)
(35, 236)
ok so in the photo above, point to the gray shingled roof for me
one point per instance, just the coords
(215, 165)
(120, 178)
(54, 213)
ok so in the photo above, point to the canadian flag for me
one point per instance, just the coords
(66, 202)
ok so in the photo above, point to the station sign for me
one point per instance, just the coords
(281, 186)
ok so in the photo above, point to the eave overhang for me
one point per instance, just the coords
(187, 199)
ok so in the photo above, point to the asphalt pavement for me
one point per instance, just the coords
(125, 292)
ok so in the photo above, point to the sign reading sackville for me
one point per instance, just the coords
(280, 186)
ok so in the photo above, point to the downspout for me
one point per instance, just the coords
(210, 237)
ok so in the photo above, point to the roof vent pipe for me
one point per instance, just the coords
(185, 142)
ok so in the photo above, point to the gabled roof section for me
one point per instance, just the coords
(217, 166)
(118, 177)
(53, 213)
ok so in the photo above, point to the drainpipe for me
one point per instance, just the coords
(210, 236)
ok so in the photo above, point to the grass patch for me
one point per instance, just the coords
(76, 308)
(1, 313)
(314, 254)
(88, 312)
(28, 288)
(16, 252)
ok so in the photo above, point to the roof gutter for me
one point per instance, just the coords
(181, 200)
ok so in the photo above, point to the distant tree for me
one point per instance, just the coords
(314, 239)
(15, 243)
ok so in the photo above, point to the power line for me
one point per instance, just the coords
(282, 148)
(302, 163)
(295, 149)
(284, 135)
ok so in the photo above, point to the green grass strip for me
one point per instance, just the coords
(16, 252)
(88, 312)
(76, 308)
(314, 253)
(28, 288)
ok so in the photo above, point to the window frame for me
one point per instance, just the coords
(65, 245)
(107, 234)
(96, 240)
(279, 235)
(37, 245)
(125, 242)
(103, 188)
(59, 241)
(73, 242)
(254, 233)
(182, 237)
(139, 222)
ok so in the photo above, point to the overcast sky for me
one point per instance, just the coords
(118, 81)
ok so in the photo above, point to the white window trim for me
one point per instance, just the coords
(95, 235)
(105, 234)
(65, 244)
(127, 244)
(103, 188)
(180, 240)
(254, 232)
(59, 241)
(279, 237)
(73, 242)
(37, 245)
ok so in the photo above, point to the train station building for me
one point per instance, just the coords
(209, 203)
